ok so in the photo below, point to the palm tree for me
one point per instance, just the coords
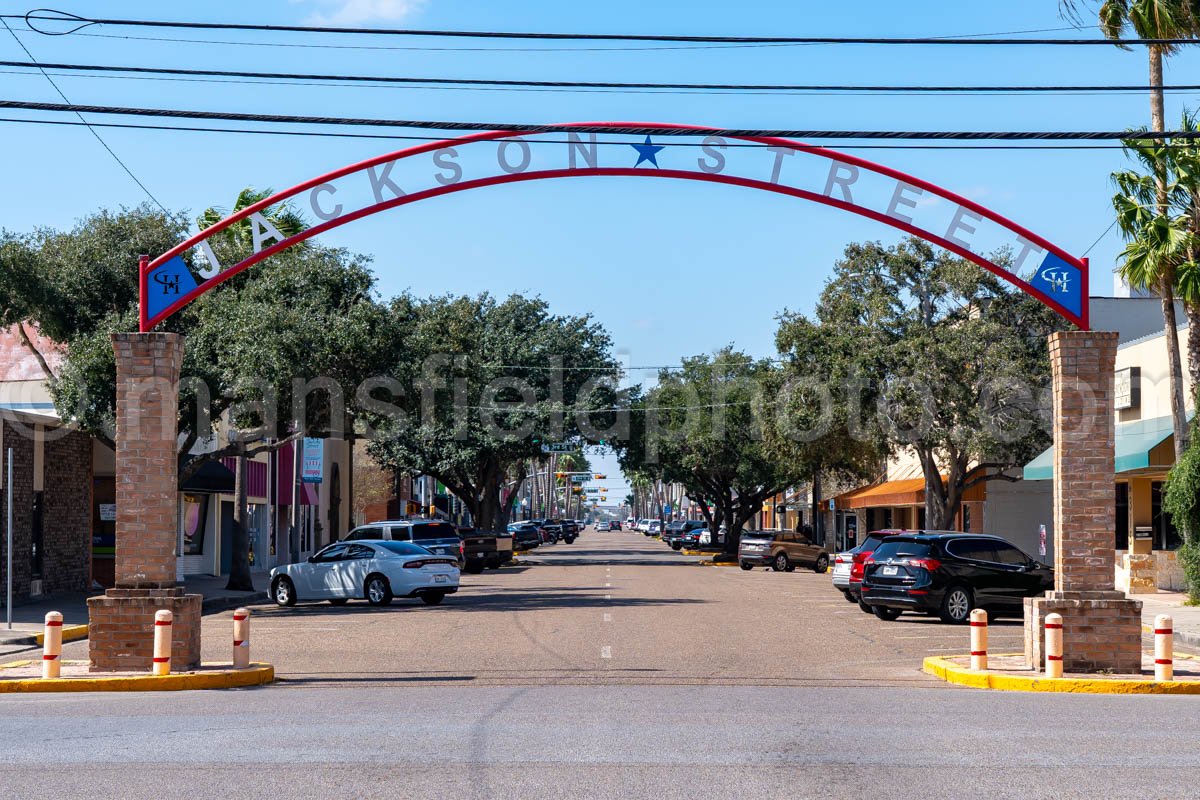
(1184, 158)
(1156, 19)
(238, 237)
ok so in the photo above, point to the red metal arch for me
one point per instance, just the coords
(146, 267)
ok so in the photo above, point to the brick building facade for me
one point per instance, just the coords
(52, 501)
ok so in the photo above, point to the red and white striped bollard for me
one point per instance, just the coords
(1054, 645)
(162, 642)
(52, 645)
(979, 639)
(241, 638)
(1164, 651)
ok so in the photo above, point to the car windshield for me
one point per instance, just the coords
(404, 548)
(901, 549)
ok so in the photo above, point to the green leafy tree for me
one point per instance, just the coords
(702, 427)
(490, 378)
(927, 351)
(305, 313)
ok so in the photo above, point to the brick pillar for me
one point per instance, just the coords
(1101, 628)
(121, 633)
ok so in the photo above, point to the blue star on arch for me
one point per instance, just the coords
(647, 152)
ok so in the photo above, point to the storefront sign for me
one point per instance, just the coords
(312, 467)
(108, 512)
(1042, 540)
(1127, 390)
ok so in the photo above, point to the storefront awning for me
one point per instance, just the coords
(909, 492)
(213, 477)
(1135, 444)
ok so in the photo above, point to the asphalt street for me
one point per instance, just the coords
(612, 608)
(612, 667)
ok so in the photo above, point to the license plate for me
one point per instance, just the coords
(889, 570)
(441, 578)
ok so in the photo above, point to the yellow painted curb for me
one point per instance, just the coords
(257, 675)
(715, 564)
(70, 633)
(952, 673)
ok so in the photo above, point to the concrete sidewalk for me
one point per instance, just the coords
(1185, 619)
(28, 619)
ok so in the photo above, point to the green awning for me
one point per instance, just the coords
(1133, 443)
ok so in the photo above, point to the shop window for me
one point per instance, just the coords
(920, 518)
(1122, 516)
(195, 517)
(887, 519)
(965, 517)
(1166, 537)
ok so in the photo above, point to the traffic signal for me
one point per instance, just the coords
(600, 477)
(560, 474)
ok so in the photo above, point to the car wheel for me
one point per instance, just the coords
(433, 598)
(822, 564)
(569, 539)
(886, 614)
(849, 597)
(745, 566)
(378, 590)
(338, 601)
(780, 564)
(676, 545)
(284, 592)
(956, 605)
(866, 609)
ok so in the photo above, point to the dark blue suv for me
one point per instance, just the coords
(948, 574)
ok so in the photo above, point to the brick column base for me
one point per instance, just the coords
(1101, 631)
(121, 629)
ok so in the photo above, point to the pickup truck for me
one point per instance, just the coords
(485, 549)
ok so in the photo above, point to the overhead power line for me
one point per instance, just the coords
(33, 63)
(496, 82)
(632, 129)
(77, 23)
(614, 143)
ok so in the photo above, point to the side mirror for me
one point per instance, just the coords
(312, 559)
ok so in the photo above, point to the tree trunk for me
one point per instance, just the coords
(239, 565)
(818, 519)
(1193, 315)
(1167, 283)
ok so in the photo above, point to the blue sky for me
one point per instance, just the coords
(670, 268)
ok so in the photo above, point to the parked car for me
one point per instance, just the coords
(551, 531)
(569, 529)
(630, 523)
(948, 574)
(434, 535)
(615, 524)
(603, 527)
(706, 536)
(783, 551)
(691, 536)
(525, 535)
(859, 555)
(484, 549)
(375, 570)
(674, 532)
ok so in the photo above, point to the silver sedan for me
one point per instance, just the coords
(372, 569)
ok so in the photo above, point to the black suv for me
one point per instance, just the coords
(948, 574)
